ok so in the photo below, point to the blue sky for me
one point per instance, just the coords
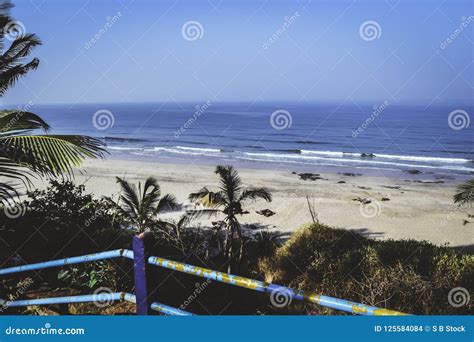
(320, 55)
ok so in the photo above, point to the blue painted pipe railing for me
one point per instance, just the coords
(279, 294)
(100, 297)
(169, 310)
(67, 261)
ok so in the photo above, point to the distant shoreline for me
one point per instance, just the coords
(413, 174)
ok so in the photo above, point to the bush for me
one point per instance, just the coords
(58, 222)
(406, 275)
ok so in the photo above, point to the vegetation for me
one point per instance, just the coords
(465, 193)
(228, 201)
(407, 275)
(139, 206)
(63, 221)
(44, 155)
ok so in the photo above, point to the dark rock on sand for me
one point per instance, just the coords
(309, 176)
(413, 172)
(428, 182)
(341, 182)
(266, 212)
(350, 174)
(391, 187)
(362, 200)
(384, 199)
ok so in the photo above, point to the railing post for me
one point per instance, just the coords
(140, 256)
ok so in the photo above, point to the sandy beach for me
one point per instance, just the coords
(398, 209)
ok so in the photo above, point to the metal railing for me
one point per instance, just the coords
(141, 298)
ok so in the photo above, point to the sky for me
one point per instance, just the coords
(106, 51)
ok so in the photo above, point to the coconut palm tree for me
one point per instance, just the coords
(465, 193)
(23, 155)
(139, 205)
(228, 200)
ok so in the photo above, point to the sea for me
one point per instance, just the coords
(404, 141)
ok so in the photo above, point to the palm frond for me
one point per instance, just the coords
(230, 181)
(7, 193)
(50, 154)
(254, 193)
(129, 195)
(196, 214)
(149, 196)
(5, 18)
(18, 50)
(208, 198)
(465, 193)
(167, 202)
(14, 122)
(9, 77)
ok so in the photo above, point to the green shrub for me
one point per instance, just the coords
(406, 275)
(58, 222)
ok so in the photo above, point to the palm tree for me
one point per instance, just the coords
(140, 205)
(228, 201)
(23, 154)
(465, 193)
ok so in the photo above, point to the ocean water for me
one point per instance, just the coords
(383, 139)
